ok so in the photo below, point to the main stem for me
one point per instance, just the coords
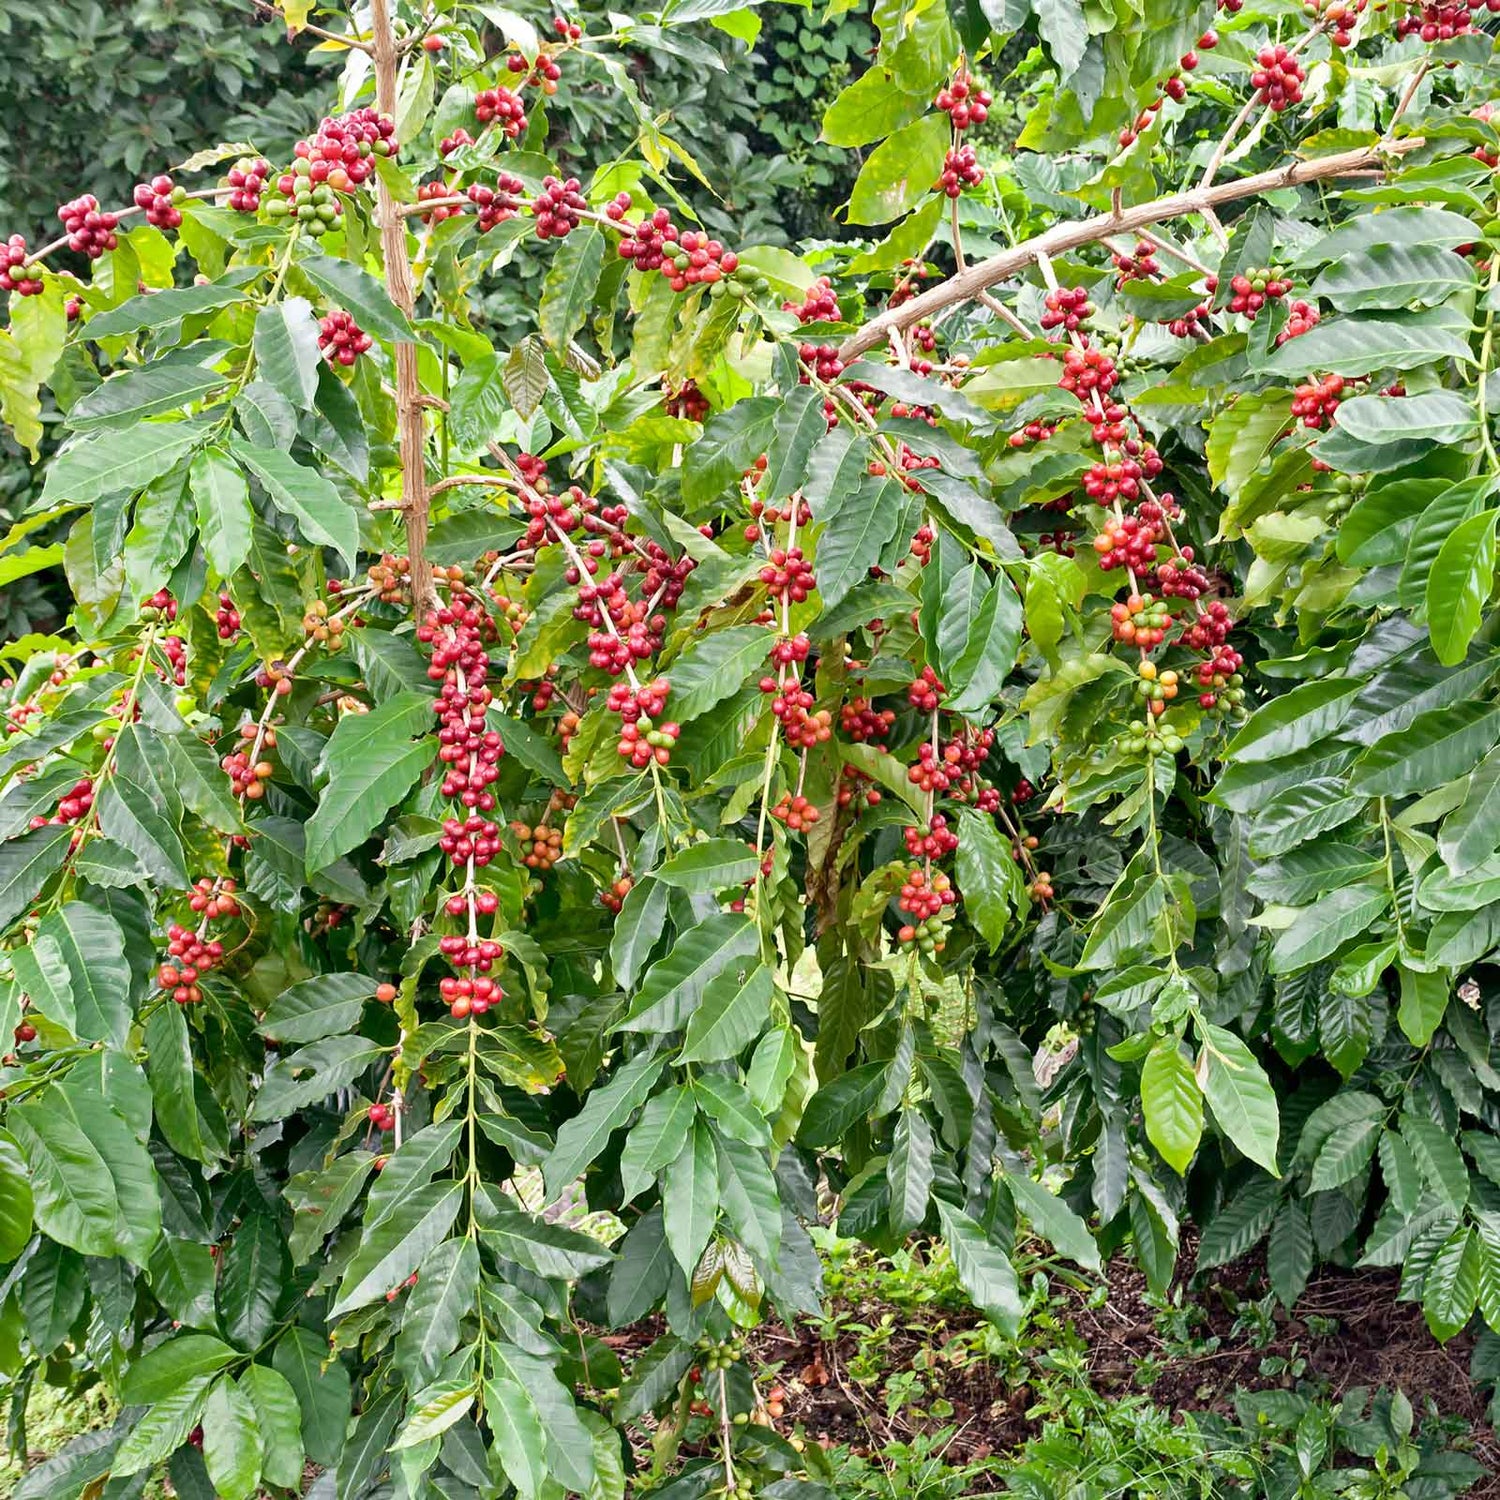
(410, 427)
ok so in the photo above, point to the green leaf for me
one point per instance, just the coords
(988, 877)
(730, 443)
(114, 461)
(1239, 1224)
(159, 308)
(546, 1250)
(441, 1406)
(1459, 585)
(1321, 929)
(900, 171)
(253, 1272)
(186, 1111)
(311, 1074)
(1438, 1159)
(1359, 343)
(714, 865)
(1437, 417)
(1054, 1220)
(1125, 923)
(994, 638)
(1241, 435)
(520, 1441)
(525, 377)
(1471, 832)
(690, 1197)
(150, 390)
(1408, 225)
(321, 1384)
(851, 542)
(569, 286)
(606, 1109)
(1450, 1290)
(1393, 276)
(278, 1420)
(1424, 998)
(714, 669)
(372, 762)
(984, 1270)
(1289, 1256)
(909, 1171)
(15, 1199)
(1172, 1103)
(1240, 1096)
(321, 1006)
(159, 1372)
(840, 1105)
(391, 1250)
(673, 986)
(231, 1442)
(306, 496)
(286, 349)
(730, 1015)
(26, 864)
(163, 1428)
(1434, 748)
(1345, 1153)
(638, 929)
(75, 1200)
(1311, 712)
(748, 1192)
(357, 292)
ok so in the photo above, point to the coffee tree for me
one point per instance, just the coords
(512, 835)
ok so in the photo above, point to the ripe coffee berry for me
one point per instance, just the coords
(865, 724)
(159, 199)
(1316, 402)
(820, 305)
(494, 205)
(188, 957)
(936, 842)
(500, 104)
(925, 691)
(1140, 620)
(1278, 77)
(15, 275)
(961, 170)
(247, 181)
(796, 812)
(382, 1116)
(341, 339)
(964, 102)
(1067, 307)
(90, 231)
(1301, 316)
(227, 619)
(788, 575)
(557, 208)
(385, 993)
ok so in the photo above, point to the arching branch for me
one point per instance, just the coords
(966, 285)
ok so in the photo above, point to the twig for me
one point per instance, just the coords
(411, 429)
(980, 275)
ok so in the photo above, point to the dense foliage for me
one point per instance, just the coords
(683, 765)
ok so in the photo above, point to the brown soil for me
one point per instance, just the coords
(1376, 1342)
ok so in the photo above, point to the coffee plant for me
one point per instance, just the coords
(510, 835)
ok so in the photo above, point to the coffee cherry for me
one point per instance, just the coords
(961, 170)
(1278, 78)
(557, 208)
(247, 180)
(15, 275)
(90, 231)
(159, 199)
(500, 104)
(341, 339)
(385, 993)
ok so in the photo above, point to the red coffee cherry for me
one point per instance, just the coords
(341, 339)
(15, 275)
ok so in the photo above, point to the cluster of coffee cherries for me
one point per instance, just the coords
(1066, 307)
(925, 691)
(247, 180)
(468, 750)
(1301, 317)
(247, 778)
(343, 151)
(341, 339)
(158, 199)
(1221, 686)
(1141, 620)
(541, 847)
(1277, 78)
(642, 740)
(820, 305)
(73, 805)
(1140, 264)
(1252, 289)
(788, 575)
(558, 208)
(1127, 542)
(494, 205)
(475, 992)
(1155, 688)
(1089, 371)
(189, 956)
(1441, 20)
(865, 724)
(316, 207)
(90, 230)
(500, 104)
(821, 361)
(1315, 402)
(924, 897)
(227, 618)
(15, 275)
(796, 811)
(961, 170)
(936, 841)
(382, 1116)
(964, 102)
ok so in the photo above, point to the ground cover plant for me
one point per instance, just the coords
(984, 733)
